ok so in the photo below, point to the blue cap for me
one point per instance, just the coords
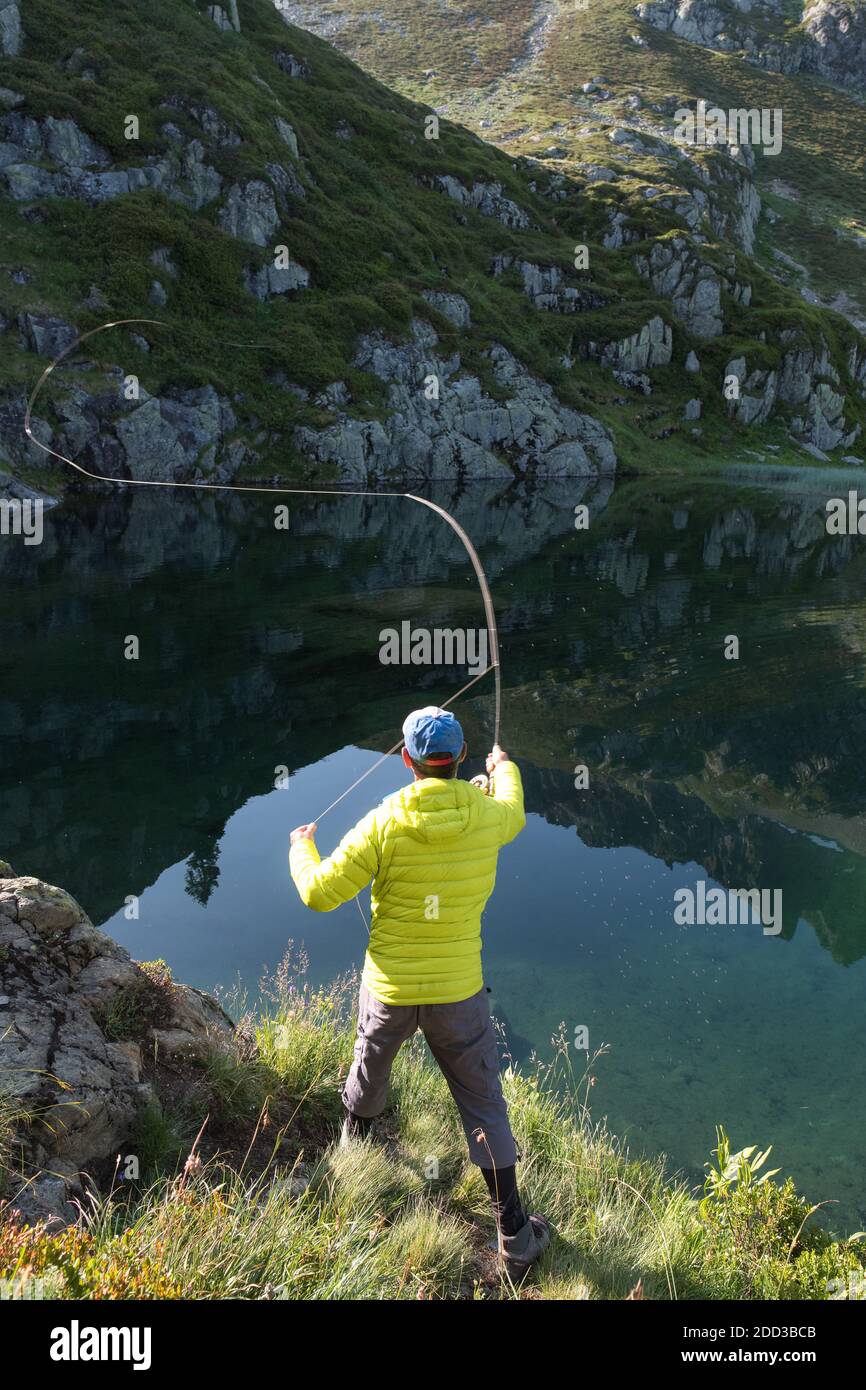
(432, 735)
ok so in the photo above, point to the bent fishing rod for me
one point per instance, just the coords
(490, 615)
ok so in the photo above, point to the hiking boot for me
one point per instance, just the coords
(520, 1251)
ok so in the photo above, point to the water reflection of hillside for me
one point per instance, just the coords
(822, 884)
(260, 648)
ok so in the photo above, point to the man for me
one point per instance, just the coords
(431, 851)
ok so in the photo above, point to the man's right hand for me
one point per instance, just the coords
(496, 755)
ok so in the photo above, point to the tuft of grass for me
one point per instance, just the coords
(405, 1215)
(425, 1250)
(159, 1139)
(147, 1004)
(12, 1119)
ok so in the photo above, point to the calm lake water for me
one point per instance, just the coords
(260, 648)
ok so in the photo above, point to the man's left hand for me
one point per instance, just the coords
(303, 832)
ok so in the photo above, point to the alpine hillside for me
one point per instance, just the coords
(344, 286)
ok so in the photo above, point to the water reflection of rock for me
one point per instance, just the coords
(266, 653)
(107, 778)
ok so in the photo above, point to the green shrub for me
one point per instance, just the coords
(146, 1004)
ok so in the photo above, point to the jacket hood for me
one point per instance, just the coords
(436, 809)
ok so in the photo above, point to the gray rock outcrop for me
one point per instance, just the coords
(269, 280)
(287, 135)
(290, 65)
(11, 34)
(450, 306)
(700, 22)
(805, 382)
(54, 158)
(545, 285)
(465, 432)
(487, 198)
(76, 1017)
(250, 212)
(226, 20)
(651, 346)
(836, 47)
(12, 488)
(693, 288)
(830, 42)
(46, 335)
(180, 436)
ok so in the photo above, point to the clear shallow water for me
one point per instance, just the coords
(156, 778)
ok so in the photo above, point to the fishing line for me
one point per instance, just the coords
(397, 746)
(493, 634)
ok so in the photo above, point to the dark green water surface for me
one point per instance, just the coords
(259, 648)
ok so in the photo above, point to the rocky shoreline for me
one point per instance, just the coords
(84, 1030)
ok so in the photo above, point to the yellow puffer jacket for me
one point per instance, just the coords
(431, 853)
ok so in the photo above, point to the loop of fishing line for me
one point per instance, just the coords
(304, 491)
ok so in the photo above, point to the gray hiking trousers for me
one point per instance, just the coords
(462, 1040)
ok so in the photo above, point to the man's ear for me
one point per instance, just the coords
(463, 753)
(407, 761)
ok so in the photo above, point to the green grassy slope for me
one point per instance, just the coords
(368, 232)
(371, 231)
(527, 87)
(263, 1204)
